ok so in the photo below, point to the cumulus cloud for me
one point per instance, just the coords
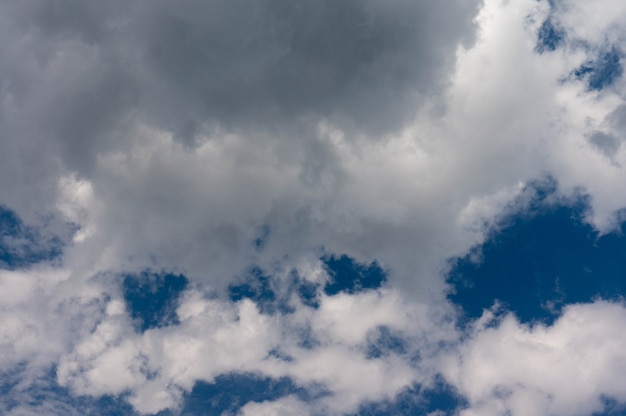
(175, 173)
(311, 346)
(569, 368)
(86, 71)
(161, 137)
(43, 309)
(282, 407)
(225, 115)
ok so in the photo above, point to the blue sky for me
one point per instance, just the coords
(312, 208)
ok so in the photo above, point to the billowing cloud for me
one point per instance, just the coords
(570, 368)
(226, 142)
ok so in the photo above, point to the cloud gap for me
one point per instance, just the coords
(541, 257)
(152, 298)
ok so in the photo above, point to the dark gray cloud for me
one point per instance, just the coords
(617, 119)
(360, 63)
(605, 143)
(195, 65)
(609, 143)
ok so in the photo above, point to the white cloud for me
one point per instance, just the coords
(42, 310)
(407, 196)
(171, 152)
(216, 337)
(282, 407)
(596, 23)
(564, 369)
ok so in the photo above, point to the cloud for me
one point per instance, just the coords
(173, 101)
(43, 309)
(173, 173)
(281, 407)
(85, 71)
(217, 337)
(154, 138)
(569, 368)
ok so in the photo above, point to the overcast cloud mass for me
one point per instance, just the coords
(277, 207)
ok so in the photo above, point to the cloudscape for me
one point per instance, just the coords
(315, 207)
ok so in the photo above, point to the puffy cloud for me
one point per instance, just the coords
(85, 71)
(43, 310)
(281, 407)
(169, 171)
(217, 113)
(596, 23)
(162, 137)
(216, 337)
(569, 368)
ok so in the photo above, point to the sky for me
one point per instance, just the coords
(329, 207)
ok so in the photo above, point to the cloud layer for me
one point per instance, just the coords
(210, 138)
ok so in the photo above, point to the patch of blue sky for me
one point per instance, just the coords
(612, 408)
(603, 71)
(308, 293)
(271, 296)
(226, 395)
(22, 245)
(549, 37)
(9, 381)
(259, 287)
(417, 400)
(45, 396)
(263, 235)
(152, 298)
(539, 260)
(347, 275)
(230, 392)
